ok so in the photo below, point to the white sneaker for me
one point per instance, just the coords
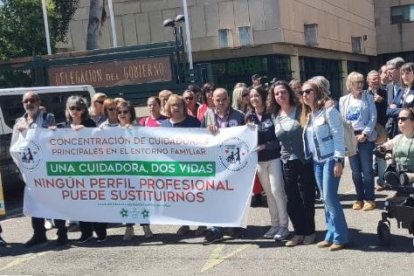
(270, 234)
(129, 233)
(282, 234)
(147, 231)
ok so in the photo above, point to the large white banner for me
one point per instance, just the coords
(139, 175)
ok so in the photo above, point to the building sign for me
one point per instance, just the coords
(113, 73)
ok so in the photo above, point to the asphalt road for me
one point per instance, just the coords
(169, 254)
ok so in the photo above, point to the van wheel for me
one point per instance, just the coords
(384, 233)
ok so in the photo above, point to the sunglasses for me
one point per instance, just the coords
(75, 108)
(403, 119)
(306, 91)
(123, 112)
(189, 98)
(99, 102)
(245, 95)
(30, 101)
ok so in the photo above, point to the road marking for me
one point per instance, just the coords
(216, 259)
(23, 259)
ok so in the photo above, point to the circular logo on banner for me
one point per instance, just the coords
(29, 156)
(233, 154)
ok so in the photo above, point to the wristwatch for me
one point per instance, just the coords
(339, 160)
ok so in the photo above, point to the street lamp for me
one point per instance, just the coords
(177, 31)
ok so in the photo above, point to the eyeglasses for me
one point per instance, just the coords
(189, 98)
(403, 119)
(30, 101)
(99, 102)
(360, 82)
(75, 108)
(111, 109)
(123, 112)
(306, 91)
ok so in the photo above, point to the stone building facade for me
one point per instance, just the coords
(277, 38)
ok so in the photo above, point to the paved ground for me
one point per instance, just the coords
(169, 254)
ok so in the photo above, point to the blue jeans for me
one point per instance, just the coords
(337, 229)
(362, 171)
(381, 167)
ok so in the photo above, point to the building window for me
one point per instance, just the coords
(402, 14)
(244, 36)
(356, 44)
(224, 40)
(311, 34)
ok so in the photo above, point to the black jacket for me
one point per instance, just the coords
(266, 136)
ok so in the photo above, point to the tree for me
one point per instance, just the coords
(22, 30)
(96, 18)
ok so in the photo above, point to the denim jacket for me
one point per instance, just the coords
(328, 135)
(368, 113)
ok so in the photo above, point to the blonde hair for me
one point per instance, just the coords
(237, 98)
(94, 99)
(353, 77)
(174, 98)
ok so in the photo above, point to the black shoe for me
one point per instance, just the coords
(85, 238)
(212, 236)
(101, 239)
(61, 241)
(3, 243)
(35, 240)
(237, 233)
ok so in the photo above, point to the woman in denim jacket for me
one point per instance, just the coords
(358, 108)
(323, 141)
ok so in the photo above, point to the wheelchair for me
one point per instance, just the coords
(401, 205)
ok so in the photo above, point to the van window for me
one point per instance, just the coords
(12, 107)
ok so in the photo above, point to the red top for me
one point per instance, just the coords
(201, 111)
(150, 122)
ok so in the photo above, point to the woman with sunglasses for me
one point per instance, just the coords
(402, 146)
(96, 110)
(206, 100)
(191, 101)
(77, 117)
(324, 144)
(240, 99)
(358, 108)
(126, 117)
(154, 109)
(269, 168)
(283, 104)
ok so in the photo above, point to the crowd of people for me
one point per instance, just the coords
(301, 145)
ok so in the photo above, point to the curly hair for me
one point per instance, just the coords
(272, 106)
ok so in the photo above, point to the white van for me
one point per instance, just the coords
(53, 98)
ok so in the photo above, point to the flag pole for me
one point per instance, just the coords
(46, 24)
(188, 35)
(111, 15)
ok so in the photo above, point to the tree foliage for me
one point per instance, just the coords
(22, 30)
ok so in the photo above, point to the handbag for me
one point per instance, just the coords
(382, 134)
(350, 140)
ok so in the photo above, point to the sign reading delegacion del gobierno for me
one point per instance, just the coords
(113, 73)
